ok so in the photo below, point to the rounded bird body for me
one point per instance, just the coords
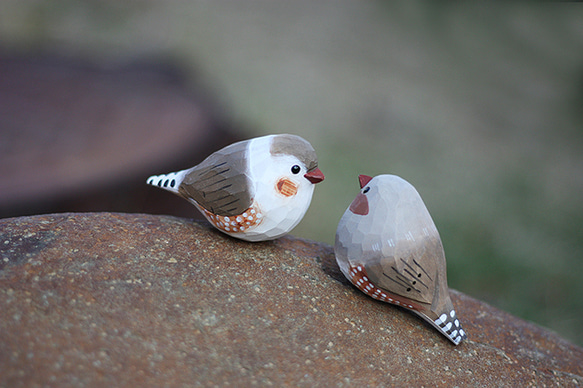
(387, 245)
(258, 189)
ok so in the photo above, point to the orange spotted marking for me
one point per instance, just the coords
(357, 276)
(250, 218)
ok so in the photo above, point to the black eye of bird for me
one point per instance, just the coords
(366, 189)
(295, 169)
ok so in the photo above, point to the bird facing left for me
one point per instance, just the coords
(387, 245)
(255, 190)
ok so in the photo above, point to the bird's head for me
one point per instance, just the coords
(297, 160)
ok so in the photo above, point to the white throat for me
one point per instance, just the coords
(281, 213)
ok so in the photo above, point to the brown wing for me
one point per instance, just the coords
(413, 272)
(220, 184)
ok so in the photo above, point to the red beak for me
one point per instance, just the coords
(314, 176)
(363, 180)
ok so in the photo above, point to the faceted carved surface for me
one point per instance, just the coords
(270, 176)
(388, 246)
(139, 300)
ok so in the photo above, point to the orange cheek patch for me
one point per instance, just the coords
(286, 187)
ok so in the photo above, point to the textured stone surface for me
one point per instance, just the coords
(129, 299)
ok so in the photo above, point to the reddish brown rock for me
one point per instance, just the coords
(133, 300)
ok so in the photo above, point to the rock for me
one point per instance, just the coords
(130, 299)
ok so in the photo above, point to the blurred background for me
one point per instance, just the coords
(479, 106)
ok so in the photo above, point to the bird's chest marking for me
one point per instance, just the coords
(236, 224)
(286, 187)
(357, 275)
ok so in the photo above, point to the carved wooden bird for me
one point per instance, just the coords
(258, 189)
(388, 247)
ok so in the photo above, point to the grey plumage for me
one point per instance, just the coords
(388, 246)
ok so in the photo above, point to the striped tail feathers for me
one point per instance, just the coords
(448, 324)
(170, 181)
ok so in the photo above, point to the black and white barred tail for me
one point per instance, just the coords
(449, 325)
(169, 181)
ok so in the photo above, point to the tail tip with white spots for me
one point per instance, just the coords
(449, 325)
(168, 182)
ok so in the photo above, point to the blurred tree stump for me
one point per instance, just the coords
(81, 137)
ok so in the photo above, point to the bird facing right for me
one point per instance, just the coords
(388, 246)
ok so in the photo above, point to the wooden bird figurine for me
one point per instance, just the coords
(258, 189)
(388, 247)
